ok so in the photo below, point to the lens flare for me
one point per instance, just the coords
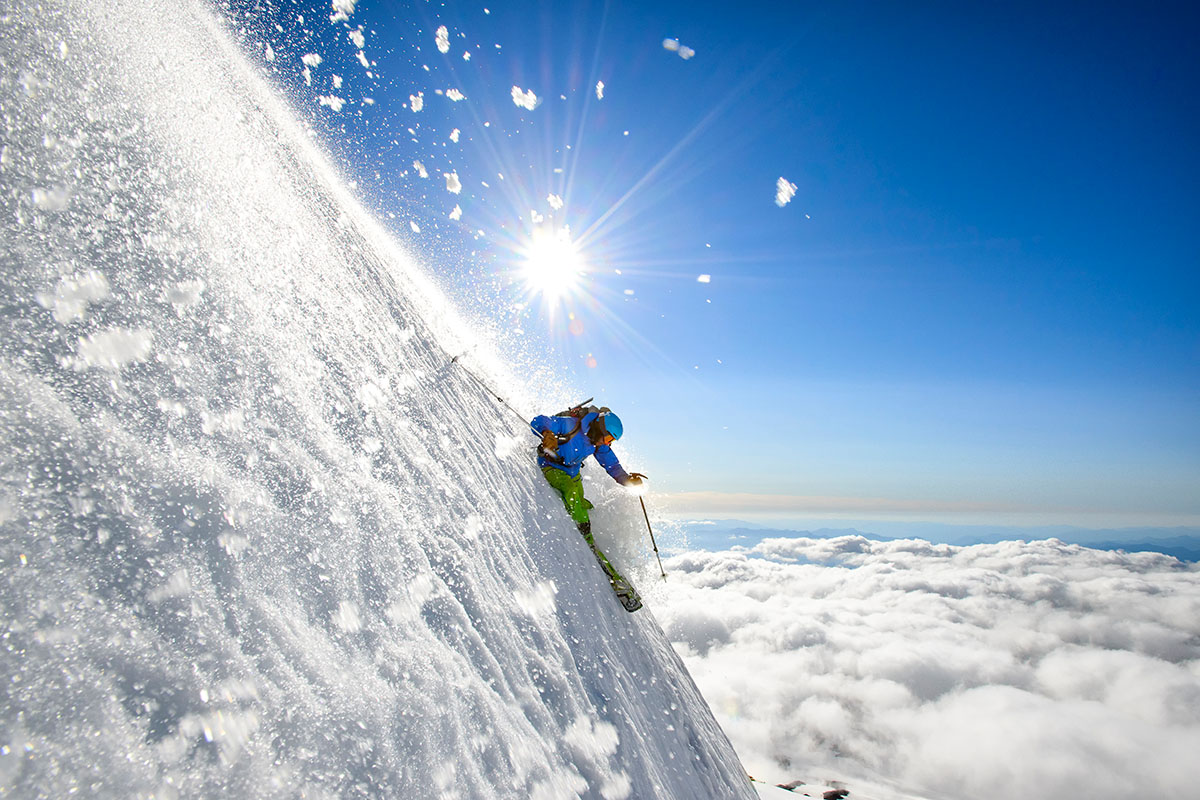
(551, 264)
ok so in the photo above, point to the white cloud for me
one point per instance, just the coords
(992, 671)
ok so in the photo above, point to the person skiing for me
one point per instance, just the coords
(568, 438)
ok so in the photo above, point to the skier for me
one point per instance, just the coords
(568, 439)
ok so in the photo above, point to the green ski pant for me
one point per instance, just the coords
(571, 489)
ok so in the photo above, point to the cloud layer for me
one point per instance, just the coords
(992, 671)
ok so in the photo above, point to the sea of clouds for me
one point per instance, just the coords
(1018, 669)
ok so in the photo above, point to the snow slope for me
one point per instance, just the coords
(260, 536)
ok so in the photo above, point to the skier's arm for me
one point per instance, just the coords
(608, 459)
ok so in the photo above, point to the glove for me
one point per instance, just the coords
(549, 441)
(635, 479)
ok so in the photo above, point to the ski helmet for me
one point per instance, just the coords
(612, 424)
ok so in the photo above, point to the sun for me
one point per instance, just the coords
(551, 264)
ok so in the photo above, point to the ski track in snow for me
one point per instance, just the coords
(261, 538)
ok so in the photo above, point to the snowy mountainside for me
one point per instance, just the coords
(260, 535)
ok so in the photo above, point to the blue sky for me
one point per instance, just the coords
(980, 302)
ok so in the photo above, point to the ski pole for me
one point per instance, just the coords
(648, 528)
(487, 388)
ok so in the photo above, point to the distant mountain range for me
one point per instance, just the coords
(1182, 542)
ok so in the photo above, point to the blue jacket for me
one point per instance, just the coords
(575, 450)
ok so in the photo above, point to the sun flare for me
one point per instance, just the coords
(551, 264)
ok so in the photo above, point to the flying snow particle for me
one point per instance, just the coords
(183, 295)
(342, 9)
(455, 95)
(416, 101)
(331, 101)
(524, 99)
(456, 214)
(362, 59)
(311, 60)
(347, 617)
(704, 279)
(415, 227)
(784, 192)
(537, 218)
(599, 90)
(454, 135)
(466, 56)
(307, 73)
(682, 50)
(443, 39)
(70, 298)
(337, 81)
(269, 53)
(453, 184)
(420, 168)
(114, 348)
(555, 201)
(370, 101)
(359, 39)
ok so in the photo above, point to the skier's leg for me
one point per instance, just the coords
(571, 489)
(621, 585)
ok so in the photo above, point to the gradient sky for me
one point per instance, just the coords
(981, 301)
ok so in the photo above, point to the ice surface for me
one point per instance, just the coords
(259, 535)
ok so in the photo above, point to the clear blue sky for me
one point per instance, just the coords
(982, 298)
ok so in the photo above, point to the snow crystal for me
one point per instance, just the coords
(454, 135)
(416, 101)
(342, 9)
(686, 52)
(443, 39)
(114, 348)
(705, 278)
(420, 168)
(456, 214)
(356, 36)
(524, 99)
(311, 60)
(362, 59)
(599, 90)
(415, 227)
(466, 56)
(453, 184)
(337, 81)
(72, 295)
(332, 101)
(592, 739)
(671, 44)
(307, 73)
(269, 53)
(455, 95)
(555, 201)
(784, 192)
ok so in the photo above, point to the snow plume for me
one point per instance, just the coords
(257, 532)
(994, 671)
(784, 192)
(523, 98)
